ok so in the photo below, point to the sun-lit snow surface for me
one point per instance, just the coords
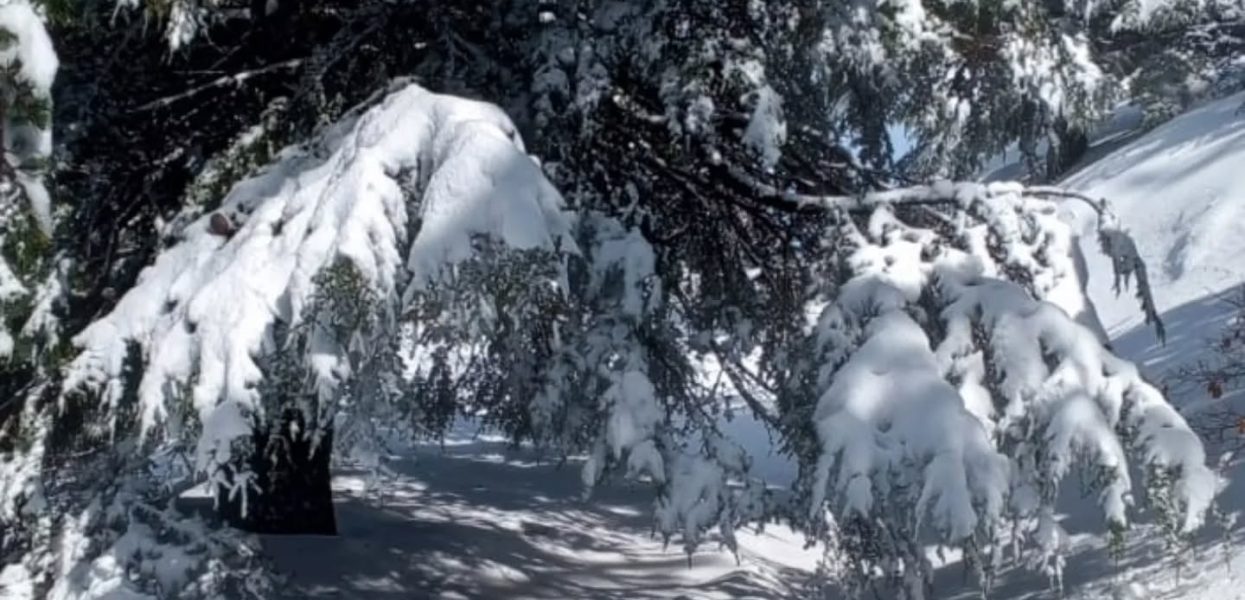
(902, 443)
(475, 523)
(479, 519)
(1180, 189)
(504, 532)
(203, 312)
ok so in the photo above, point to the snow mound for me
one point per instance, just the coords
(449, 169)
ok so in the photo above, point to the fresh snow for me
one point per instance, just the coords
(1178, 189)
(33, 52)
(31, 55)
(205, 310)
(474, 519)
(28, 58)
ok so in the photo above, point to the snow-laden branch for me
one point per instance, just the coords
(206, 310)
(952, 398)
(1115, 241)
(235, 79)
(28, 66)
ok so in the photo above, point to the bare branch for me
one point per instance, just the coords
(234, 79)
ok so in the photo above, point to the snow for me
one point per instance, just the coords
(474, 517)
(633, 419)
(874, 428)
(1036, 395)
(481, 519)
(203, 312)
(1178, 191)
(630, 253)
(869, 411)
(32, 53)
(767, 131)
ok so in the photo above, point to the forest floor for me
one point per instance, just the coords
(476, 519)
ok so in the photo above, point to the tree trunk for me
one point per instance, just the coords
(295, 495)
(1071, 145)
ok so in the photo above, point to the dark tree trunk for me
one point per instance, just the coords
(1062, 156)
(295, 494)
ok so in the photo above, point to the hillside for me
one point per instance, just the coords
(1179, 190)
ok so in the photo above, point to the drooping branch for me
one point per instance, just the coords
(1113, 238)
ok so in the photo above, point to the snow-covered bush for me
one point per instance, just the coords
(950, 401)
(324, 254)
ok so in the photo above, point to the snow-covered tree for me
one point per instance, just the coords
(27, 67)
(27, 277)
(1188, 56)
(950, 395)
(343, 260)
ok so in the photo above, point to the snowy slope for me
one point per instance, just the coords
(477, 518)
(1180, 189)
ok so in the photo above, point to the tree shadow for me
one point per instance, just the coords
(1192, 330)
(1215, 121)
(480, 520)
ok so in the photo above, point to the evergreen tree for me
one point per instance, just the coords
(343, 258)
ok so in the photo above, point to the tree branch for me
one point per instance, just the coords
(235, 79)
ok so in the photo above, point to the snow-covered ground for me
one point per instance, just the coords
(1180, 189)
(478, 519)
(475, 519)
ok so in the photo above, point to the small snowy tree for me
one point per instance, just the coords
(28, 280)
(27, 67)
(949, 396)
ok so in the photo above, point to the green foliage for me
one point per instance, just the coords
(1162, 500)
(25, 247)
(28, 106)
(246, 154)
(488, 330)
(61, 12)
(641, 115)
(344, 302)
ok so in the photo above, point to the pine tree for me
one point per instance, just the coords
(27, 68)
(1187, 56)
(343, 258)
